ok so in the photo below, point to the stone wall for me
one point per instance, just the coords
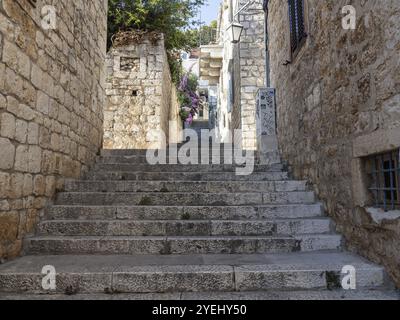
(225, 108)
(175, 124)
(243, 62)
(139, 95)
(338, 101)
(252, 67)
(236, 109)
(51, 98)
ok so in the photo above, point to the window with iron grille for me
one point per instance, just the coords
(297, 26)
(384, 175)
(33, 2)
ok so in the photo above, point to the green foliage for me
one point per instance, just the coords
(184, 114)
(183, 99)
(175, 65)
(171, 17)
(193, 82)
(202, 36)
(188, 97)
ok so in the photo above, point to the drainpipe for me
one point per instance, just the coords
(267, 60)
(231, 11)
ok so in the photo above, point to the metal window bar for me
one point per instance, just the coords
(383, 181)
(296, 20)
(33, 3)
(300, 19)
(385, 187)
(376, 182)
(293, 22)
(397, 180)
(392, 189)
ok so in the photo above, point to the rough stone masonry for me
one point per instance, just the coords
(51, 106)
(141, 98)
(252, 68)
(338, 101)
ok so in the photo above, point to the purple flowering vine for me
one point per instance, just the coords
(188, 98)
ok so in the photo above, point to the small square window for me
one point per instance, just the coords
(384, 179)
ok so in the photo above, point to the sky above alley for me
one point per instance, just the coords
(209, 11)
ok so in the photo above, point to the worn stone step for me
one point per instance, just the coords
(189, 199)
(189, 176)
(60, 212)
(200, 124)
(268, 295)
(184, 186)
(204, 147)
(184, 228)
(193, 273)
(180, 245)
(182, 168)
(142, 159)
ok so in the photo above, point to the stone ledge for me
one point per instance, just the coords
(379, 216)
(376, 142)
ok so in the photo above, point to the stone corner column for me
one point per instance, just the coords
(267, 140)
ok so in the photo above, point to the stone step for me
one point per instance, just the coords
(184, 186)
(200, 124)
(298, 211)
(142, 159)
(268, 295)
(188, 199)
(188, 176)
(184, 228)
(193, 273)
(183, 168)
(180, 245)
(204, 147)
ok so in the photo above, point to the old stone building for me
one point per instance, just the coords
(141, 97)
(242, 71)
(338, 105)
(51, 102)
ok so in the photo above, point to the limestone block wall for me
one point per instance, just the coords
(338, 101)
(236, 109)
(175, 123)
(243, 69)
(252, 67)
(51, 106)
(139, 95)
(225, 107)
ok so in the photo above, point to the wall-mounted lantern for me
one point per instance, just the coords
(235, 32)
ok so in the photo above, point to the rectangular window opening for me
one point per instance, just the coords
(297, 26)
(383, 171)
(33, 3)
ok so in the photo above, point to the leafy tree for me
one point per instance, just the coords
(171, 17)
(203, 35)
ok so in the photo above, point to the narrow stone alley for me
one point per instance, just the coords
(279, 122)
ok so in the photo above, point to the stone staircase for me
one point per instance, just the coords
(131, 230)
